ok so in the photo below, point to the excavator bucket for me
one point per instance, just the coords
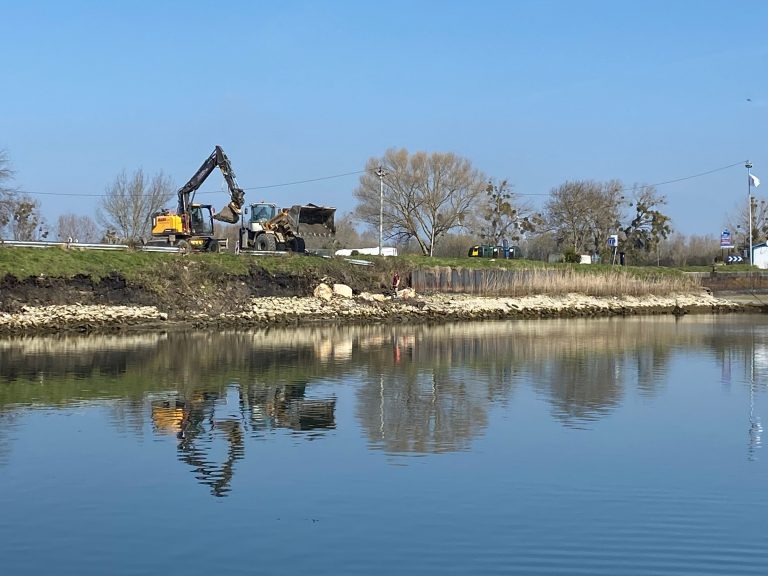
(314, 220)
(229, 214)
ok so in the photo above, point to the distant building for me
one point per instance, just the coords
(385, 251)
(760, 255)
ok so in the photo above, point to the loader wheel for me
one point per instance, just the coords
(266, 243)
(183, 246)
(298, 245)
(212, 246)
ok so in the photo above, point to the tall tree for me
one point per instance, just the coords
(425, 195)
(348, 236)
(6, 191)
(738, 222)
(77, 228)
(583, 213)
(131, 200)
(20, 216)
(502, 216)
(648, 225)
(27, 223)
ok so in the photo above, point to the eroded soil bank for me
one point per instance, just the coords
(182, 292)
(39, 305)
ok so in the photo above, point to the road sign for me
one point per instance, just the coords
(613, 240)
(725, 239)
(733, 259)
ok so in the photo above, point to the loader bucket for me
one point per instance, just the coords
(229, 214)
(314, 220)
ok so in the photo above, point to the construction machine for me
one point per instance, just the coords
(267, 228)
(191, 226)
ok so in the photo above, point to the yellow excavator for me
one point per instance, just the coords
(191, 226)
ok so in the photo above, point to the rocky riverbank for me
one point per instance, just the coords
(337, 304)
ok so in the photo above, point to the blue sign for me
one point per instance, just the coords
(725, 239)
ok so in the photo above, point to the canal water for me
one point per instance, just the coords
(608, 446)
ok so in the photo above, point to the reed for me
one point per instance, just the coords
(554, 281)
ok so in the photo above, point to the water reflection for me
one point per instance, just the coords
(205, 419)
(417, 389)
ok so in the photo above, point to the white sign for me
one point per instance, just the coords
(613, 240)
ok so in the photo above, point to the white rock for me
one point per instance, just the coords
(324, 292)
(342, 290)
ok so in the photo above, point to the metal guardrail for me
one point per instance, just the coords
(142, 248)
(263, 252)
(86, 246)
(168, 249)
(25, 244)
(358, 262)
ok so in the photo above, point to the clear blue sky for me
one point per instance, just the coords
(536, 92)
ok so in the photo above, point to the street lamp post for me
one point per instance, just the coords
(380, 173)
(748, 166)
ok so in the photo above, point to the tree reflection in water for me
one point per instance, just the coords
(418, 388)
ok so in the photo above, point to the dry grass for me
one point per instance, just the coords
(553, 281)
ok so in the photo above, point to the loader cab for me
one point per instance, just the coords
(201, 220)
(262, 212)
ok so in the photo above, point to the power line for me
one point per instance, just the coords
(665, 182)
(344, 174)
(291, 183)
(740, 163)
(89, 195)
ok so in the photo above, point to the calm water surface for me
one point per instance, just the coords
(616, 446)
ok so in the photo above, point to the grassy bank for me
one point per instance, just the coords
(164, 272)
(63, 263)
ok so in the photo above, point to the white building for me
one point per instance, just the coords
(760, 255)
(385, 251)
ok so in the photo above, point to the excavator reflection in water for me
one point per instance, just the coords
(202, 419)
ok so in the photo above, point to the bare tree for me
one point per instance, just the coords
(647, 225)
(72, 227)
(6, 191)
(20, 216)
(348, 236)
(455, 245)
(26, 222)
(738, 222)
(681, 250)
(502, 216)
(425, 196)
(130, 202)
(584, 213)
(6, 172)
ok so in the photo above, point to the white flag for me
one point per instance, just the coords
(754, 179)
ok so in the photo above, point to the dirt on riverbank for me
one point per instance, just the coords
(188, 294)
(178, 293)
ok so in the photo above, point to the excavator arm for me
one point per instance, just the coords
(231, 213)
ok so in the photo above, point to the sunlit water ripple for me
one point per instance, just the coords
(623, 446)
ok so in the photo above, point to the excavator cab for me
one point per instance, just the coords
(200, 221)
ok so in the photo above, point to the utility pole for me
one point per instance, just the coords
(380, 173)
(748, 166)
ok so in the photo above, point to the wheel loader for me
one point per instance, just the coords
(267, 228)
